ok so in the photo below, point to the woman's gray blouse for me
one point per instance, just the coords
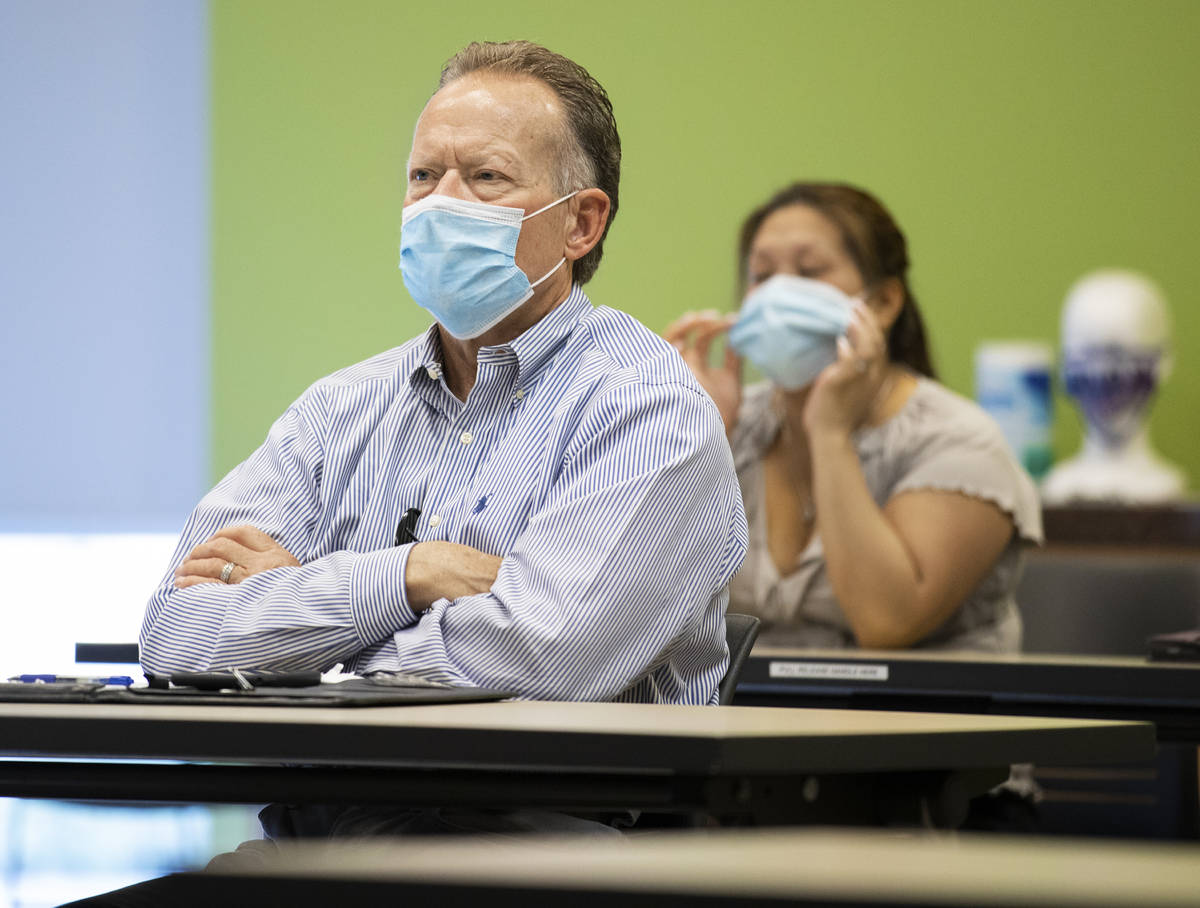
(938, 440)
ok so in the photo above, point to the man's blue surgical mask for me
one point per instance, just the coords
(456, 258)
(788, 328)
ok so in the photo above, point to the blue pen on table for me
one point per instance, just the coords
(121, 680)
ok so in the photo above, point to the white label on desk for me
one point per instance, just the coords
(842, 671)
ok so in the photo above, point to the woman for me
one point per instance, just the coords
(885, 511)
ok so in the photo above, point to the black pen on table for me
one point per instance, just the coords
(405, 530)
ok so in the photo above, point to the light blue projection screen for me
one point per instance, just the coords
(103, 264)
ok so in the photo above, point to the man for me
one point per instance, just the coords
(578, 512)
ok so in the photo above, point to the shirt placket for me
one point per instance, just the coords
(464, 445)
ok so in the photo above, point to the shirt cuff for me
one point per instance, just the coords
(378, 595)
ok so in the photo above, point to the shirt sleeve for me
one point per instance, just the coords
(626, 560)
(973, 459)
(311, 616)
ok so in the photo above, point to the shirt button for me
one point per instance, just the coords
(518, 394)
(435, 520)
(465, 438)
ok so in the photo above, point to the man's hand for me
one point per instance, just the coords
(249, 550)
(448, 570)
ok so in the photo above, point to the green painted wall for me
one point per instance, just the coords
(1019, 144)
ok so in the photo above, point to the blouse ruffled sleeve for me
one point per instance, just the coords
(957, 447)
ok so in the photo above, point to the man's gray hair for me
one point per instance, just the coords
(590, 152)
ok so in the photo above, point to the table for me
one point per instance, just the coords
(1103, 687)
(748, 867)
(1154, 798)
(757, 763)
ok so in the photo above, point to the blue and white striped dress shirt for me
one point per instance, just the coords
(586, 456)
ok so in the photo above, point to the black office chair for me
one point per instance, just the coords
(1105, 604)
(740, 633)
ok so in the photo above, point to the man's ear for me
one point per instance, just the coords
(886, 302)
(589, 216)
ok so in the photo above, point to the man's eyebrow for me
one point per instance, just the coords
(492, 154)
(496, 153)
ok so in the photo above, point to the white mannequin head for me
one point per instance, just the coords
(1115, 353)
(1115, 337)
(1115, 307)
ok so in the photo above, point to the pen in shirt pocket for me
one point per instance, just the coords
(406, 528)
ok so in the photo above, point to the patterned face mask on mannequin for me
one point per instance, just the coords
(457, 260)
(788, 328)
(1113, 386)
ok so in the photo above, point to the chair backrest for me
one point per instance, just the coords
(1105, 604)
(740, 632)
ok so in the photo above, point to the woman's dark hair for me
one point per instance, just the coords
(874, 243)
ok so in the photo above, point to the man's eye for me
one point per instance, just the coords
(485, 175)
(418, 176)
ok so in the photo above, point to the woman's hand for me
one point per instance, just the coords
(844, 392)
(692, 335)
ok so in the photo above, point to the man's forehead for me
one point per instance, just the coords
(518, 108)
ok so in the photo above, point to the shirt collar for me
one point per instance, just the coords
(536, 347)
(427, 358)
(533, 349)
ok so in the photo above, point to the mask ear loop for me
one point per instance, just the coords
(539, 211)
(865, 294)
(548, 273)
(551, 205)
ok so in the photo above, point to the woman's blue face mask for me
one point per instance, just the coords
(788, 328)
